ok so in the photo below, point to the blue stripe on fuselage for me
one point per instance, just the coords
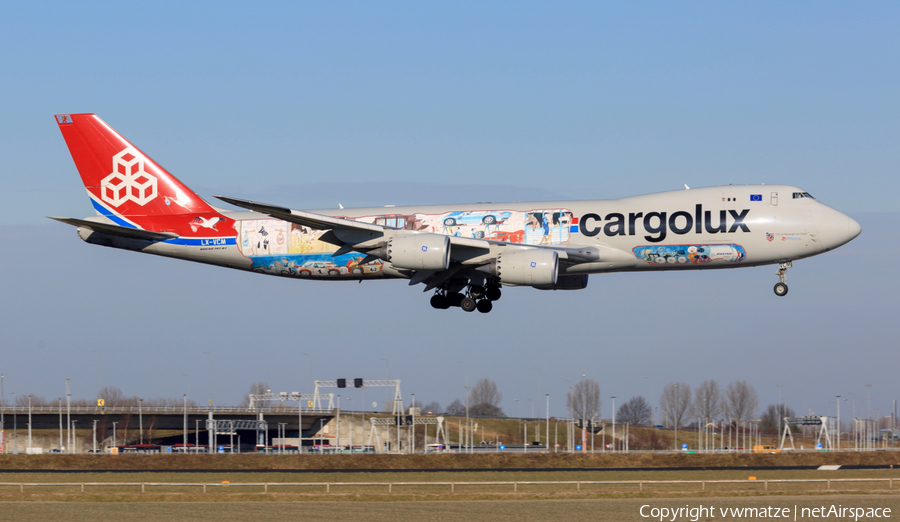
(112, 217)
(203, 242)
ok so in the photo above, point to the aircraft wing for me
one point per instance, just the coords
(116, 230)
(302, 217)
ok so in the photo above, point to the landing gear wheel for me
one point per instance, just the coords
(477, 292)
(781, 288)
(484, 306)
(468, 304)
(439, 302)
(493, 293)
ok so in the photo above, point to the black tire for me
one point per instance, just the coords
(439, 302)
(781, 289)
(449, 222)
(455, 299)
(489, 220)
(468, 304)
(484, 306)
(479, 235)
(476, 291)
(493, 293)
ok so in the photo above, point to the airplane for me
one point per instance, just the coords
(464, 253)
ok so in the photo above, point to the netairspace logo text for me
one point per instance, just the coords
(694, 514)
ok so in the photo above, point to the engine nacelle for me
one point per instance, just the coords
(532, 267)
(568, 282)
(419, 251)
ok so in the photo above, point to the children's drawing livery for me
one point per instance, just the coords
(464, 254)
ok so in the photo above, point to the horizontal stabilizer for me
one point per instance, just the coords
(116, 230)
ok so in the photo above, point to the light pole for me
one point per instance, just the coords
(350, 422)
(59, 408)
(548, 422)
(781, 407)
(868, 414)
(466, 366)
(141, 418)
(29, 425)
(95, 437)
(114, 433)
(184, 407)
(614, 423)
(15, 428)
(74, 436)
(838, 421)
(675, 417)
(68, 414)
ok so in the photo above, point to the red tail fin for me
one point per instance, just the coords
(127, 186)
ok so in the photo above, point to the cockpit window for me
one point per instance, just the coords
(798, 195)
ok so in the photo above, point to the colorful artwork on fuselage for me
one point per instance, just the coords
(690, 254)
(533, 227)
(288, 249)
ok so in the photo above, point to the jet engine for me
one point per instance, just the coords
(532, 267)
(419, 251)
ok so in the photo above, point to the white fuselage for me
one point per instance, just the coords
(715, 227)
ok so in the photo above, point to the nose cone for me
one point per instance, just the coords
(853, 228)
(835, 228)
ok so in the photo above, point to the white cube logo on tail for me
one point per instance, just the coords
(128, 181)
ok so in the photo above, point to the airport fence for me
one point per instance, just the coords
(838, 485)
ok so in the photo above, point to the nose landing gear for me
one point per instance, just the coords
(781, 288)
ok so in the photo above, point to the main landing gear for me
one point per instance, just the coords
(475, 298)
(781, 289)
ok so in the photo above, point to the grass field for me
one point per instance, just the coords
(373, 486)
(444, 461)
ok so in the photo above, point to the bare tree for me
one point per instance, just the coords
(112, 396)
(22, 400)
(742, 401)
(456, 409)
(432, 407)
(676, 402)
(583, 401)
(708, 401)
(771, 419)
(635, 411)
(257, 388)
(485, 399)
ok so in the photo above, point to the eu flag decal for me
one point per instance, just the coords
(755, 197)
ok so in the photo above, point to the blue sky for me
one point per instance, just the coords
(310, 105)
